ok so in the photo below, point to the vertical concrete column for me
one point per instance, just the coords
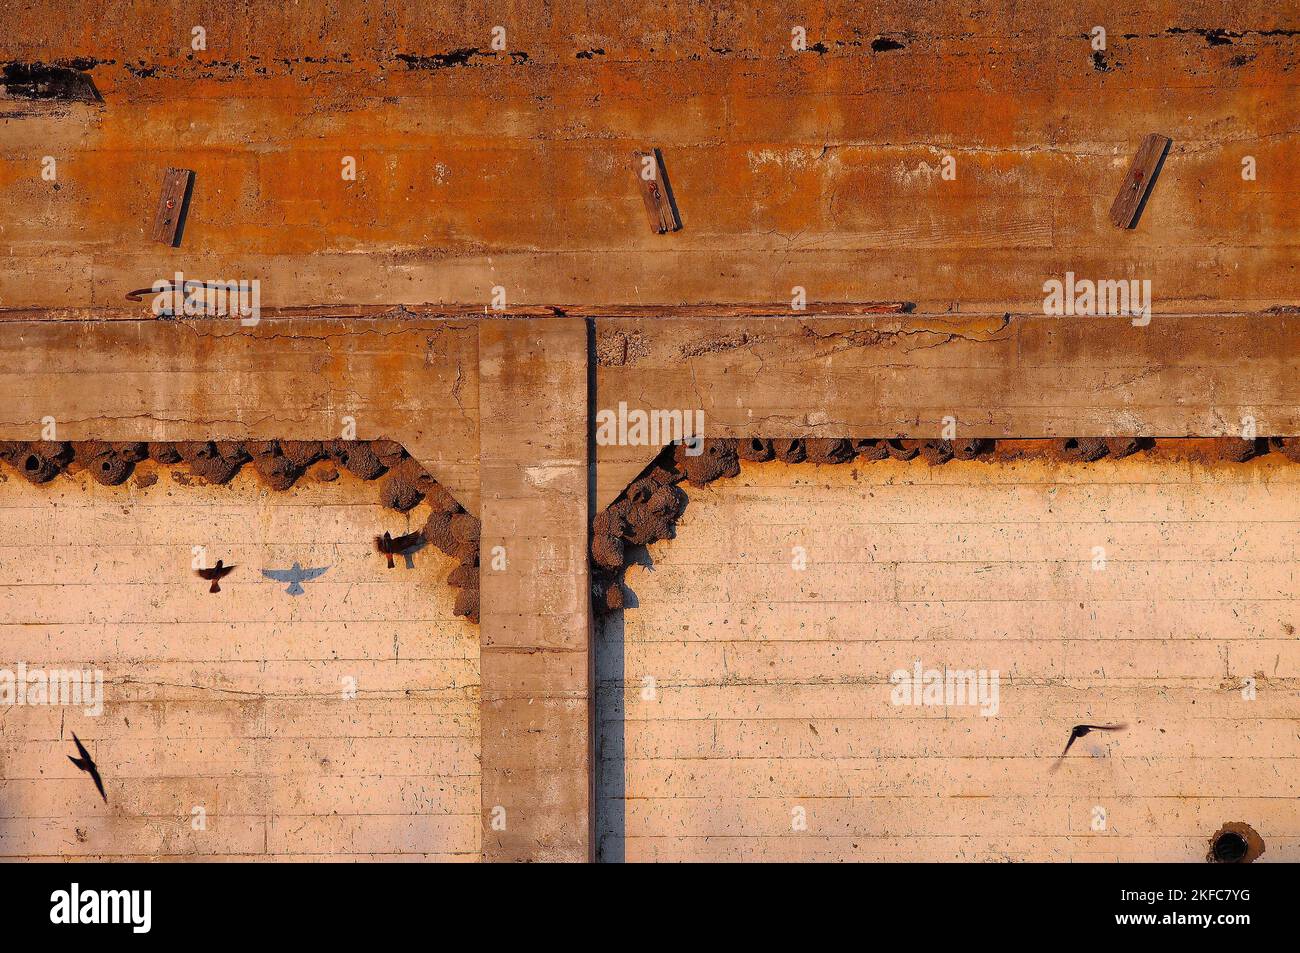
(535, 628)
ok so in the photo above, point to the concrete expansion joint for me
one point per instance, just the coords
(534, 649)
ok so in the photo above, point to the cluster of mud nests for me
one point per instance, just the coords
(648, 509)
(280, 463)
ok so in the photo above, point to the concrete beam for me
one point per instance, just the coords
(535, 630)
(409, 379)
(1000, 375)
(819, 179)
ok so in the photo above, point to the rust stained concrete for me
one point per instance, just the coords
(820, 168)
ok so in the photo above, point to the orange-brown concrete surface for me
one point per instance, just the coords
(395, 377)
(479, 167)
(1003, 375)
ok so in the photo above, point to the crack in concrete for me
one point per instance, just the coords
(873, 337)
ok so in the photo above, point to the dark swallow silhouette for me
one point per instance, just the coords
(294, 576)
(1078, 731)
(390, 546)
(87, 763)
(216, 573)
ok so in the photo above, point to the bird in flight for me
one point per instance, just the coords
(390, 546)
(294, 576)
(1078, 731)
(216, 573)
(87, 763)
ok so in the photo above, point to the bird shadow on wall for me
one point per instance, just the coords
(611, 744)
(612, 693)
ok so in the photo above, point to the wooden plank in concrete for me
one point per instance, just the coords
(169, 217)
(653, 182)
(535, 655)
(1138, 180)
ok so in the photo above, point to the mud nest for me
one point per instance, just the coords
(648, 509)
(279, 464)
(455, 532)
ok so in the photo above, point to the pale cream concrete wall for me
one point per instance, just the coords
(772, 684)
(233, 701)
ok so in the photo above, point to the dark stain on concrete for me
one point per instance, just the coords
(65, 83)
(460, 57)
(883, 44)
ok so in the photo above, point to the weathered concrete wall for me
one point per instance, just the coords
(233, 702)
(479, 168)
(821, 168)
(772, 692)
(867, 374)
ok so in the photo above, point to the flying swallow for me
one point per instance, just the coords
(294, 576)
(1078, 731)
(87, 763)
(216, 573)
(390, 546)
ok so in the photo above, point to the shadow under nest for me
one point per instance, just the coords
(279, 464)
(648, 510)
